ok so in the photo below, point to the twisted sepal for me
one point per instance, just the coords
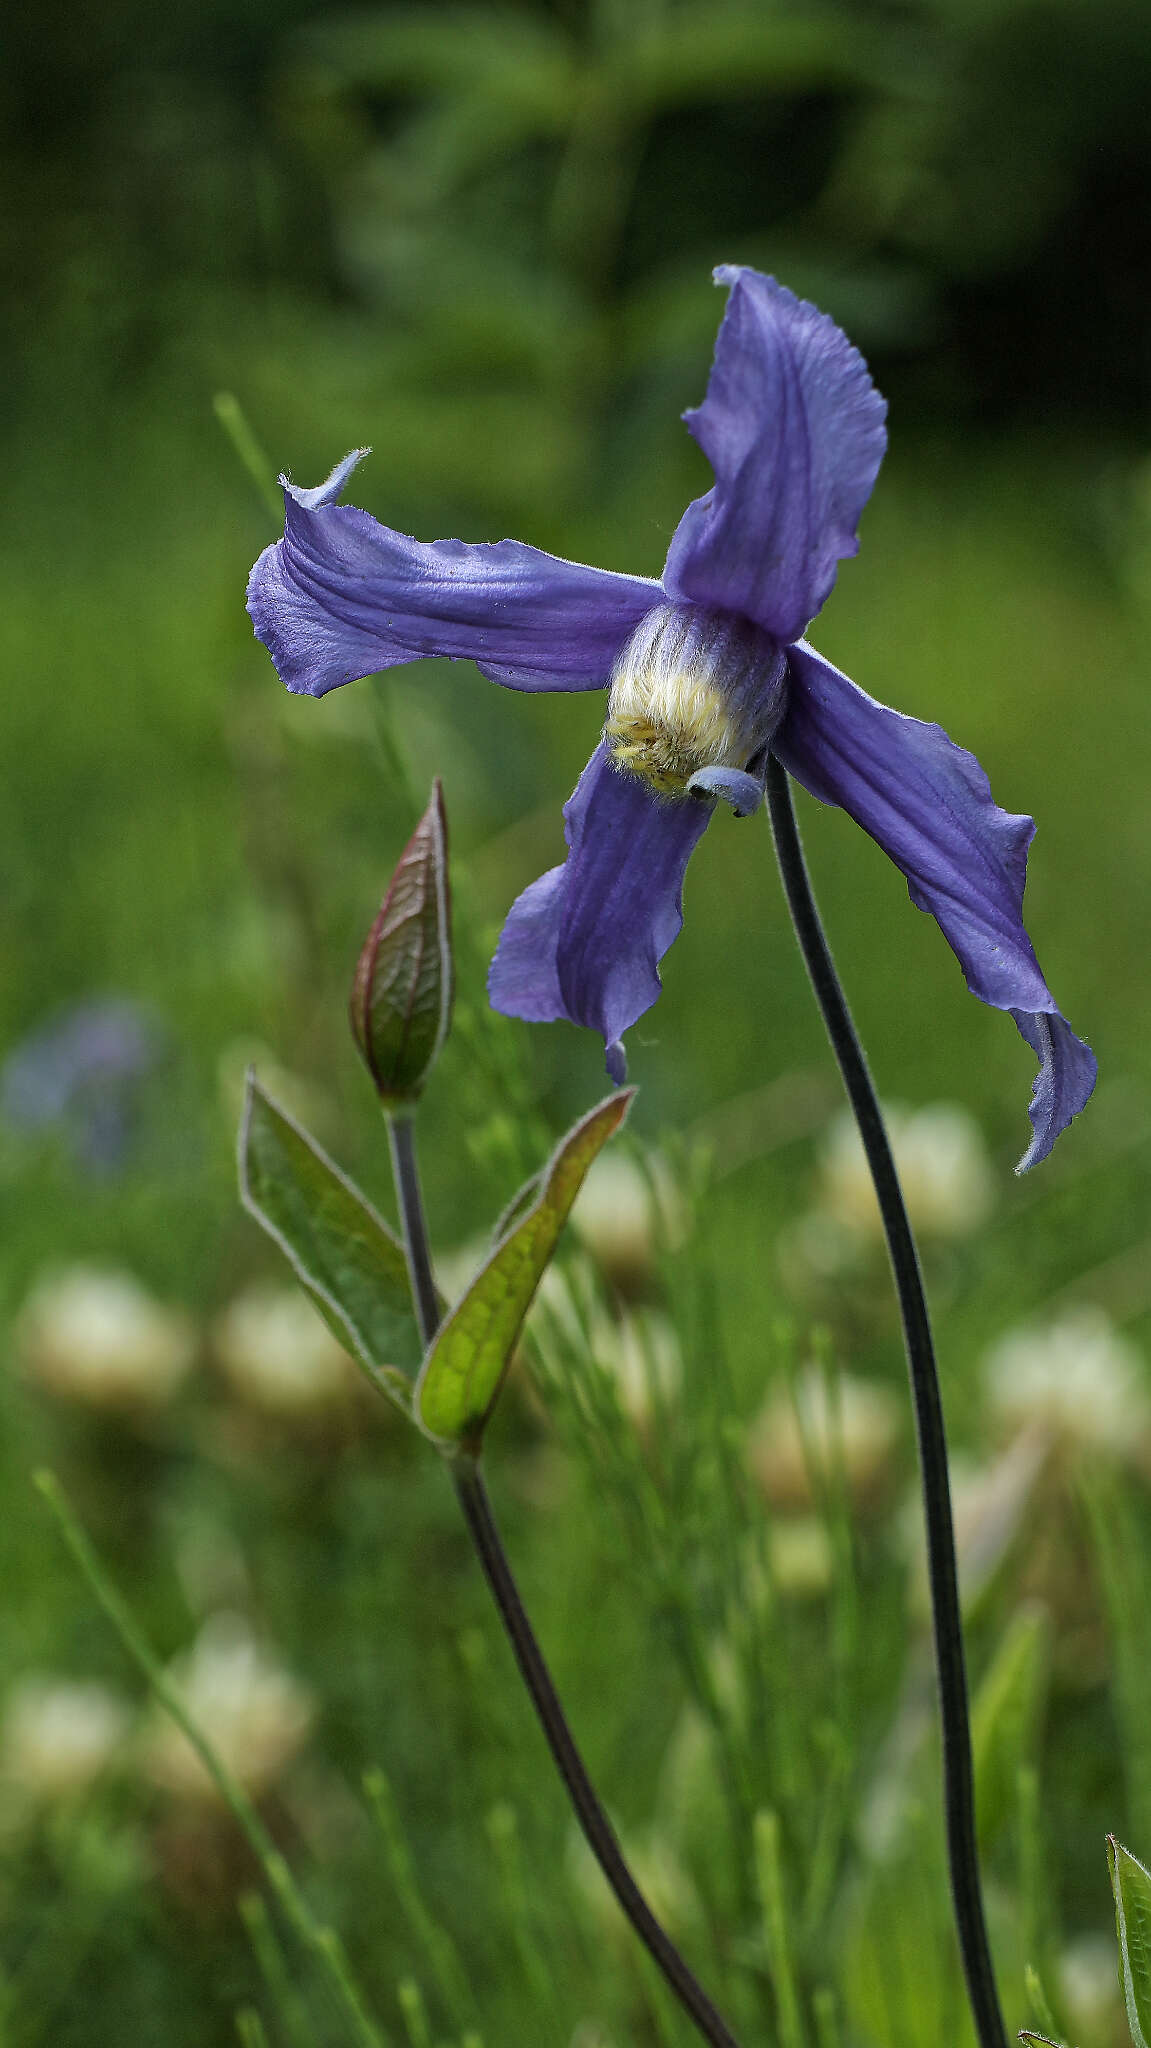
(401, 1002)
(1131, 1884)
(465, 1367)
(343, 1254)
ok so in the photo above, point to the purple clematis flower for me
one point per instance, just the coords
(707, 672)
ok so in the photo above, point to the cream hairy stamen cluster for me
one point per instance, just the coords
(693, 689)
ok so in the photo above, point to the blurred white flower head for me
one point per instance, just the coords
(1078, 1380)
(842, 1419)
(279, 1354)
(252, 1711)
(625, 1212)
(58, 1735)
(637, 1351)
(943, 1164)
(94, 1334)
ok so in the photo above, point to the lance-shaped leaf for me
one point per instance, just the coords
(465, 1366)
(401, 1003)
(1005, 1717)
(1131, 1884)
(342, 1252)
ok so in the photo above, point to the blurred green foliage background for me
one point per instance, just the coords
(480, 238)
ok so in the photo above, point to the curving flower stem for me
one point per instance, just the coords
(589, 1812)
(958, 1774)
(409, 1195)
(477, 1511)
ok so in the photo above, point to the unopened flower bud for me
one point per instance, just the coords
(401, 1002)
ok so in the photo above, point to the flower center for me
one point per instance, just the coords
(693, 689)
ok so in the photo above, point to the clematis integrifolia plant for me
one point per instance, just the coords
(708, 677)
(713, 695)
(360, 1275)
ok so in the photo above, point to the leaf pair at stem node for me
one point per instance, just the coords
(350, 1261)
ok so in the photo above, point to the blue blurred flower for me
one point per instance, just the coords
(708, 673)
(79, 1074)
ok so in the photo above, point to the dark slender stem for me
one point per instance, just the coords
(473, 1499)
(417, 1251)
(589, 1812)
(958, 1776)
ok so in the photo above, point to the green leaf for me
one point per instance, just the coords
(1005, 1718)
(1131, 1884)
(401, 1004)
(465, 1366)
(342, 1252)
